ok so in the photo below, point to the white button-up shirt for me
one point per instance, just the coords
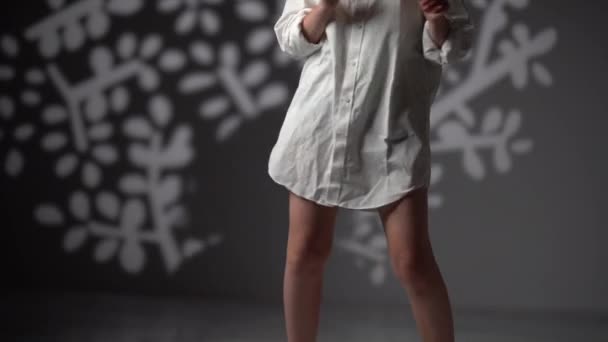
(356, 133)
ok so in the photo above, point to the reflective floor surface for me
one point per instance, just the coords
(115, 318)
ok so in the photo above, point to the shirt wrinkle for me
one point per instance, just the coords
(356, 133)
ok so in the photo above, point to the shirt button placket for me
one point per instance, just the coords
(343, 117)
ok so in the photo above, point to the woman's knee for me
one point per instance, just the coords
(310, 234)
(309, 257)
(414, 268)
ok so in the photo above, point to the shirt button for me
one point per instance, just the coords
(347, 100)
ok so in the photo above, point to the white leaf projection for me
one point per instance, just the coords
(15, 129)
(101, 99)
(153, 191)
(460, 129)
(96, 123)
(70, 26)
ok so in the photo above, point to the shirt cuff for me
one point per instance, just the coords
(433, 52)
(292, 39)
(455, 46)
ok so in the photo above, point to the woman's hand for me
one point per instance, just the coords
(315, 21)
(434, 12)
(433, 9)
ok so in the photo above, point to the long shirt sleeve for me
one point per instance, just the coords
(459, 40)
(288, 29)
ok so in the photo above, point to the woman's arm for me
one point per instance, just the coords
(300, 28)
(438, 29)
(447, 34)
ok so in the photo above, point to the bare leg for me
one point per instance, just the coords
(309, 244)
(406, 227)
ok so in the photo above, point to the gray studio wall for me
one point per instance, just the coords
(134, 139)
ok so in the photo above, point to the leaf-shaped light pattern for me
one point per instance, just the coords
(74, 238)
(71, 25)
(48, 214)
(106, 249)
(95, 121)
(115, 112)
(13, 131)
(108, 204)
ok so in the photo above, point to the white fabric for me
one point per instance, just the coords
(356, 133)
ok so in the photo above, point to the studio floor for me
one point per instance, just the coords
(114, 318)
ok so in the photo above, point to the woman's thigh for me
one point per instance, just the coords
(405, 223)
(311, 227)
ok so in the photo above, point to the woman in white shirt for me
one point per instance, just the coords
(356, 135)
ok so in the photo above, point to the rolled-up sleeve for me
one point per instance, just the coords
(288, 29)
(459, 40)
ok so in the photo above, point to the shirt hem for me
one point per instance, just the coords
(346, 205)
